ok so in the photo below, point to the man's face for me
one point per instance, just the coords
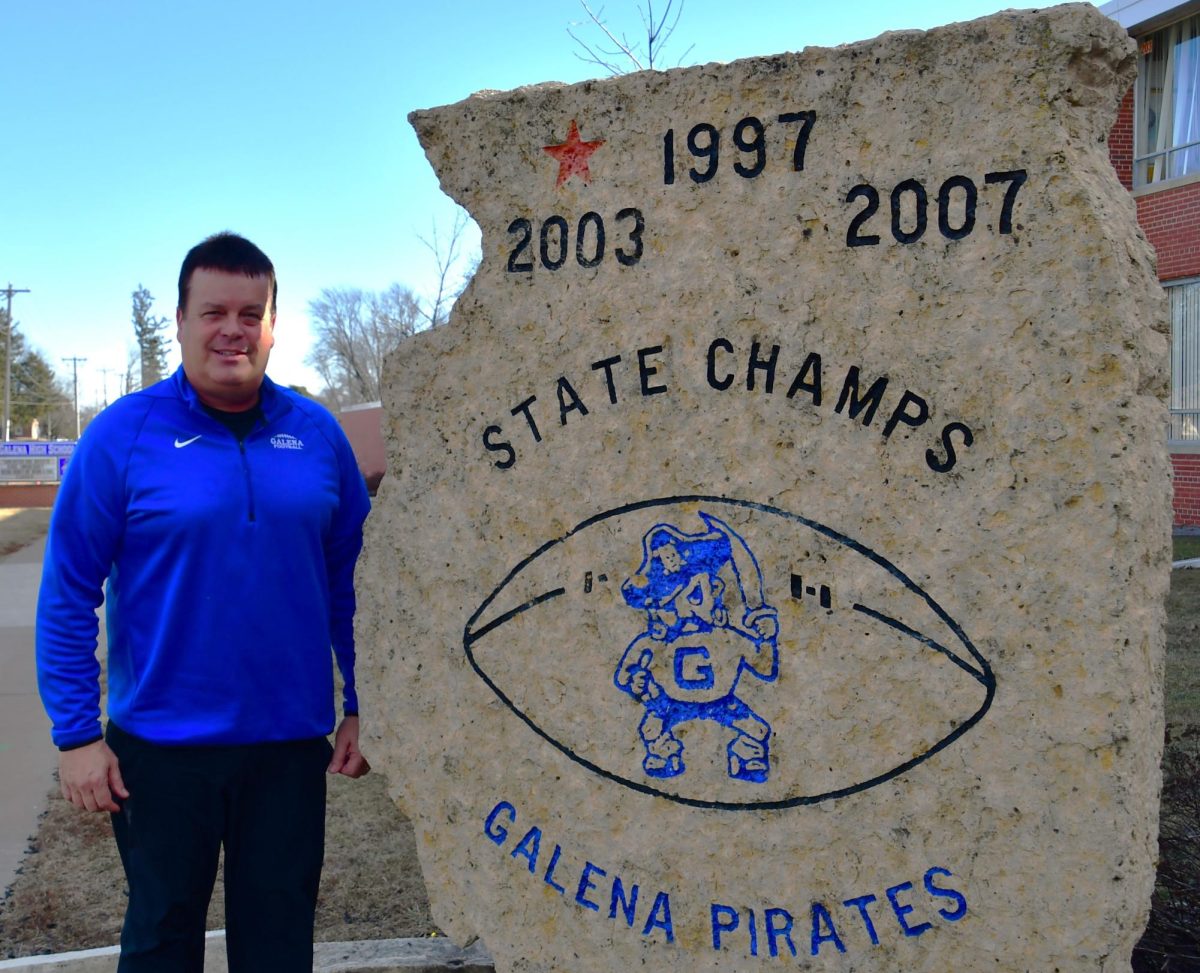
(225, 335)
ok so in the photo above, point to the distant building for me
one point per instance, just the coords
(363, 426)
(1155, 148)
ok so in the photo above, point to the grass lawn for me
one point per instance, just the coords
(1183, 657)
(1186, 547)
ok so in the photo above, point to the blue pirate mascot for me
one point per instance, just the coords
(687, 664)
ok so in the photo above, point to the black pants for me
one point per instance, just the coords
(266, 804)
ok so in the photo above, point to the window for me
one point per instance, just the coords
(1168, 104)
(1185, 360)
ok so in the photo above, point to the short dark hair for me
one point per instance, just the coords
(232, 254)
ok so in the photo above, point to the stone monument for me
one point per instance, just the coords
(771, 565)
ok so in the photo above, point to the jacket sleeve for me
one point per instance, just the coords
(342, 548)
(85, 531)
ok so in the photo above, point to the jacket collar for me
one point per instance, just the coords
(274, 402)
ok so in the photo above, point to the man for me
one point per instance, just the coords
(222, 516)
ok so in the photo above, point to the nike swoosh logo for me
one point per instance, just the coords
(186, 442)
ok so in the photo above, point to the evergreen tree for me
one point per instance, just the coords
(35, 392)
(152, 342)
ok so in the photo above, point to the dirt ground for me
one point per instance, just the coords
(21, 527)
(69, 893)
(70, 890)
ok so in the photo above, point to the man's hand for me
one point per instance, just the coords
(347, 758)
(90, 777)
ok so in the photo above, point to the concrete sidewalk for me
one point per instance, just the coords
(27, 757)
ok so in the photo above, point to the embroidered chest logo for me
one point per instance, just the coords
(286, 441)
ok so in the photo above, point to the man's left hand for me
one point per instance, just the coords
(347, 758)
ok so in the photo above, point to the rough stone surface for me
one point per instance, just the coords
(823, 610)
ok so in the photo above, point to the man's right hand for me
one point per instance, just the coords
(90, 777)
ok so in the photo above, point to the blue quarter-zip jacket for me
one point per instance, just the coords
(229, 568)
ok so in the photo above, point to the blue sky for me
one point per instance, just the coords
(134, 128)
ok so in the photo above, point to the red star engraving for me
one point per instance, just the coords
(572, 155)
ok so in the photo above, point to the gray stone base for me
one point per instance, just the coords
(377, 956)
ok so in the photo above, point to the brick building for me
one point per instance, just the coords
(1155, 148)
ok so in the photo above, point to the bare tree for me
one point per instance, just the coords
(129, 379)
(625, 55)
(353, 331)
(436, 309)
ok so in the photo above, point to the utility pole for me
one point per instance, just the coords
(104, 380)
(75, 363)
(8, 329)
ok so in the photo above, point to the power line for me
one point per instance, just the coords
(75, 363)
(8, 330)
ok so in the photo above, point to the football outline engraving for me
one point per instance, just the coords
(977, 667)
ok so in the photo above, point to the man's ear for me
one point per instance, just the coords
(179, 324)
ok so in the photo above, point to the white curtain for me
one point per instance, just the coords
(1156, 98)
(1169, 103)
(1187, 98)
